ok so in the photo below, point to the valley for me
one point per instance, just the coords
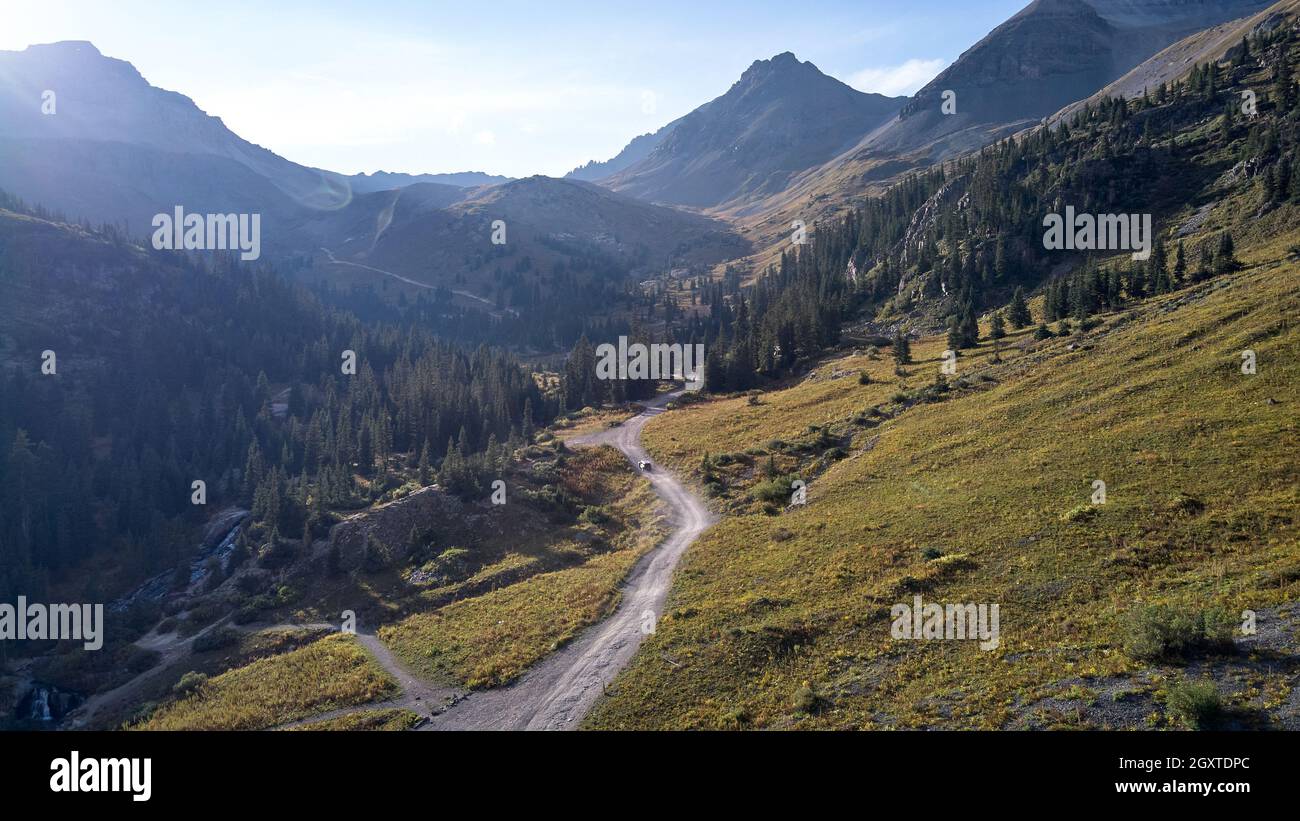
(996, 427)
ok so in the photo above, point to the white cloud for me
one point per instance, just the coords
(906, 78)
(485, 138)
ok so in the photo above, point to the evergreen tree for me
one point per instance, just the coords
(1225, 258)
(902, 349)
(997, 327)
(1018, 313)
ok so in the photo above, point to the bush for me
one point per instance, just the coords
(864, 378)
(216, 639)
(189, 683)
(1080, 513)
(249, 612)
(774, 490)
(1197, 703)
(275, 554)
(1160, 632)
(805, 700)
(253, 581)
(1217, 630)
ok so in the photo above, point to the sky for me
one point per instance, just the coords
(514, 88)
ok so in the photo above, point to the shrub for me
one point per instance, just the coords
(249, 612)
(774, 490)
(1080, 513)
(216, 639)
(275, 554)
(1161, 632)
(1217, 630)
(1197, 703)
(189, 683)
(931, 553)
(253, 581)
(1185, 505)
(805, 699)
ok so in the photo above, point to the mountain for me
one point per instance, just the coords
(781, 117)
(1050, 54)
(1174, 62)
(1147, 375)
(116, 149)
(635, 151)
(557, 233)
(384, 180)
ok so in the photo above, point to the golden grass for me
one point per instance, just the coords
(389, 719)
(783, 621)
(325, 675)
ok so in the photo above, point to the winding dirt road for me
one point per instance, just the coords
(560, 690)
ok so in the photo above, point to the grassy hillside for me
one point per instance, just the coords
(332, 672)
(979, 490)
(490, 639)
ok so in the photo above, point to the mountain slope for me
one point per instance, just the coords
(386, 180)
(1049, 55)
(635, 151)
(116, 149)
(556, 232)
(784, 620)
(1176, 61)
(781, 117)
(1171, 380)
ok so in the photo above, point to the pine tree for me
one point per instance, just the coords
(1019, 310)
(902, 349)
(426, 465)
(997, 327)
(1205, 263)
(1225, 258)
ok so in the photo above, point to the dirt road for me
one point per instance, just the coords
(489, 304)
(559, 691)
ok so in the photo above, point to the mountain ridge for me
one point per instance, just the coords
(780, 117)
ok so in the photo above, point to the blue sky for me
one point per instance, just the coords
(506, 87)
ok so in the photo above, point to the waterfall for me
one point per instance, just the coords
(40, 710)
